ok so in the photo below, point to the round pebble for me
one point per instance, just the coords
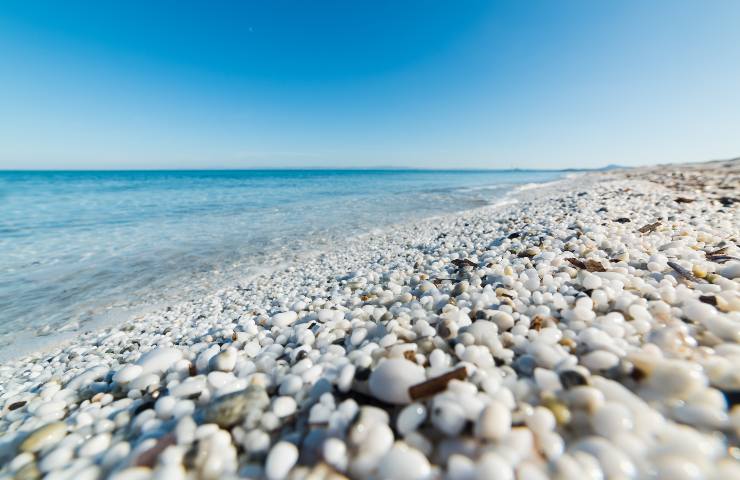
(280, 460)
(391, 380)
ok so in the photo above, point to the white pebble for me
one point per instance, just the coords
(158, 360)
(611, 419)
(403, 462)
(494, 422)
(410, 418)
(599, 360)
(280, 460)
(284, 319)
(284, 406)
(391, 379)
(128, 373)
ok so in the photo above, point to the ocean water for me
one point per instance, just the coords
(80, 247)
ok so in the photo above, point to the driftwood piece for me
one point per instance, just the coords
(436, 384)
(650, 227)
(464, 262)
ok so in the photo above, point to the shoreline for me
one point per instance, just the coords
(41, 344)
(564, 363)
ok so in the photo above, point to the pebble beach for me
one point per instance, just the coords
(588, 328)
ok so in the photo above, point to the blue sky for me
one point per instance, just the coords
(353, 83)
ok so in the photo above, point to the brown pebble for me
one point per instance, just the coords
(148, 458)
(649, 227)
(595, 266)
(576, 263)
(16, 405)
(464, 262)
(710, 299)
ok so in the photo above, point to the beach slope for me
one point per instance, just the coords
(588, 328)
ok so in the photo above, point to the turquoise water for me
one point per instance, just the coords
(75, 246)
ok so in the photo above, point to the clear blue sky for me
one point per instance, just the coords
(365, 83)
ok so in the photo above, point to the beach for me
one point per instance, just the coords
(583, 328)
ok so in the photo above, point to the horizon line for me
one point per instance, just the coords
(309, 168)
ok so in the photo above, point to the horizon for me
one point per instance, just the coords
(610, 166)
(309, 168)
(330, 85)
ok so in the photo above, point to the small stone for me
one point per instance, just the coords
(56, 459)
(599, 360)
(698, 311)
(731, 270)
(335, 453)
(95, 445)
(591, 281)
(16, 405)
(391, 379)
(158, 360)
(284, 406)
(230, 409)
(676, 379)
(572, 378)
(29, 471)
(491, 465)
(128, 373)
(541, 421)
(503, 321)
(560, 411)
(280, 460)
(224, 361)
(410, 418)
(290, 385)
(132, 473)
(346, 376)
(49, 434)
(611, 419)
(284, 319)
(494, 422)
(403, 462)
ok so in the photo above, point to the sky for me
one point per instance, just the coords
(423, 84)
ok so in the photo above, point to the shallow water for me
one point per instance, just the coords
(75, 246)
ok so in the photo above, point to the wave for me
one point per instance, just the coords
(533, 185)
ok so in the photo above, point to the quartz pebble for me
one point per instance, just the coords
(158, 360)
(228, 410)
(128, 373)
(284, 319)
(224, 361)
(403, 462)
(44, 436)
(284, 406)
(410, 418)
(599, 360)
(391, 380)
(494, 422)
(281, 459)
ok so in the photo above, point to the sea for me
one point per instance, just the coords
(85, 248)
